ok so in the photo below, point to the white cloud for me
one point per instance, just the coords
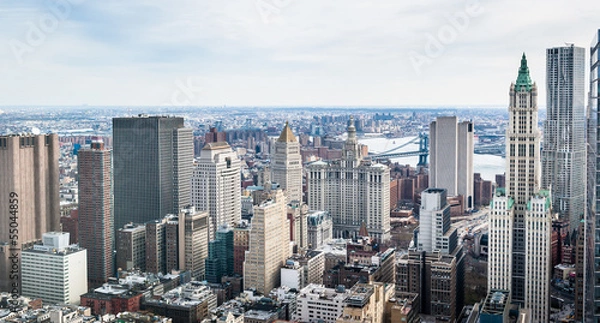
(311, 52)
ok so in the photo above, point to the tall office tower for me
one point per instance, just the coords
(171, 248)
(96, 232)
(296, 214)
(241, 243)
(451, 151)
(152, 162)
(593, 235)
(216, 184)
(523, 253)
(579, 237)
(29, 195)
(155, 246)
(434, 269)
(55, 271)
(353, 190)
(287, 164)
(220, 255)
(193, 241)
(269, 244)
(434, 232)
(178, 242)
(438, 279)
(131, 247)
(563, 149)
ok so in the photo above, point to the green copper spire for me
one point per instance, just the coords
(523, 80)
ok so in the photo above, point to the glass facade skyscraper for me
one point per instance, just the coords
(593, 205)
(153, 162)
(563, 152)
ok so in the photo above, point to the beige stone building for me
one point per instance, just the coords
(269, 244)
(366, 303)
(286, 166)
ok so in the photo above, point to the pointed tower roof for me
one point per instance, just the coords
(351, 128)
(363, 232)
(523, 80)
(287, 135)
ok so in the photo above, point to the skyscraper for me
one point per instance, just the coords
(216, 184)
(435, 231)
(193, 242)
(451, 151)
(29, 194)
(220, 255)
(434, 269)
(269, 244)
(523, 251)
(96, 232)
(593, 233)
(353, 190)
(563, 153)
(296, 214)
(153, 160)
(131, 247)
(287, 164)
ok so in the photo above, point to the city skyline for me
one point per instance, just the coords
(202, 53)
(197, 161)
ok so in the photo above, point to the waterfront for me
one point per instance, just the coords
(487, 165)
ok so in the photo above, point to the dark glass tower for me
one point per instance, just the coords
(220, 255)
(153, 160)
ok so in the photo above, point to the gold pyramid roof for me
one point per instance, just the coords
(287, 135)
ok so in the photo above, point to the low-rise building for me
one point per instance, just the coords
(300, 271)
(319, 228)
(316, 303)
(112, 299)
(189, 303)
(365, 303)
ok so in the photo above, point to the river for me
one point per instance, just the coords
(487, 165)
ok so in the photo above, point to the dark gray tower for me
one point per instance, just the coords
(153, 160)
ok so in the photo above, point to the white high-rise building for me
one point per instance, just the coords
(563, 153)
(56, 272)
(216, 185)
(521, 218)
(451, 151)
(286, 166)
(435, 232)
(354, 191)
(269, 244)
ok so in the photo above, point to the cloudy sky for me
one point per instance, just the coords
(279, 52)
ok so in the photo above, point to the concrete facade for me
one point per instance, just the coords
(451, 157)
(353, 191)
(29, 168)
(216, 185)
